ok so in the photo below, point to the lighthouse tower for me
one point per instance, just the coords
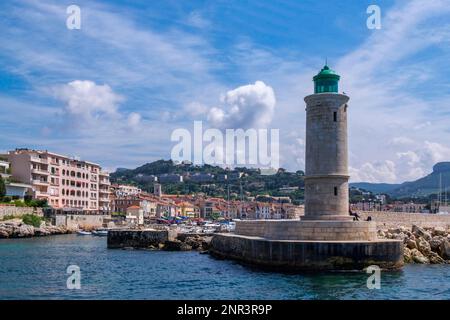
(325, 238)
(326, 155)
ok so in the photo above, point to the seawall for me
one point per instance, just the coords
(19, 211)
(121, 238)
(294, 255)
(386, 220)
(79, 221)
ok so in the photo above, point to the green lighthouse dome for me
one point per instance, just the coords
(326, 81)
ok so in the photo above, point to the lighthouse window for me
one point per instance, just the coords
(335, 191)
(335, 116)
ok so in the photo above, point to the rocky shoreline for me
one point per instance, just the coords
(17, 229)
(422, 245)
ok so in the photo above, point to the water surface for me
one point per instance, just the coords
(36, 269)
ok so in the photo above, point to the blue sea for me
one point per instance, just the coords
(36, 268)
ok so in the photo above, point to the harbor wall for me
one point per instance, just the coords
(82, 221)
(121, 238)
(19, 211)
(386, 220)
(308, 255)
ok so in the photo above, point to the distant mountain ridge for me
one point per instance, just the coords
(375, 187)
(420, 187)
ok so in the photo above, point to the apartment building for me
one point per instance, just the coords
(123, 190)
(63, 181)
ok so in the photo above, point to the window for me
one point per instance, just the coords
(335, 191)
(335, 116)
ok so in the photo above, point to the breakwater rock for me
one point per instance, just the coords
(421, 245)
(18, 229)
(168, 240)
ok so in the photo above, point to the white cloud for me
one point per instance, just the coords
(247, 106)
(88, 100)
(134, 119)
(197, 20)
(407, 166)
(401, 141)
(379, 171)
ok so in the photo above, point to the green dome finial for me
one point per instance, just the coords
(326, 80)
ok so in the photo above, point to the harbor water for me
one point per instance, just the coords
(36, 268)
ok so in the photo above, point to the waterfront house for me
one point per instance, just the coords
(65, 182)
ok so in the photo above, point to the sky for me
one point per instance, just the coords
(114, 90)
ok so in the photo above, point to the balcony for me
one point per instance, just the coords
(105, 182)
(38, 160)
(39, 193)
(40, 171)
(40, 182)
(103, 199)
(5, 175)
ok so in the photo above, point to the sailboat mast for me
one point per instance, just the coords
(440, 192)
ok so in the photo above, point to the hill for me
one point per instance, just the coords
(422, 187)
(375, 187)
(210, 180)
(426, 185)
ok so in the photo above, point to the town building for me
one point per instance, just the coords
(65, 182)
(123, 190)
(170, 178)
(13, 189)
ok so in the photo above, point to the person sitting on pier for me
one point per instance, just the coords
(355, 215)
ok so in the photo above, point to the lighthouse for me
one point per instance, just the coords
(326, 237)
(326, 155)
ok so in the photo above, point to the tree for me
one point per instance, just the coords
(2, 187)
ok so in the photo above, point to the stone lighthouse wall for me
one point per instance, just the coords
(326, 181)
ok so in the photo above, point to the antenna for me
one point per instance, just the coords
(445, 196)
(326, 61)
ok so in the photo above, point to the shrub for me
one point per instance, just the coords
(6, 199)
(32, 220)
(19, 203)
(8, 217)
(37, 203)
(2, 187)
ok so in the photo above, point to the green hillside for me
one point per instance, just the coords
(251, 182)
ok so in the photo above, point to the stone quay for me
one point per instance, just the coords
(326, 238)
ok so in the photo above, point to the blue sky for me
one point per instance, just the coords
(113, 91)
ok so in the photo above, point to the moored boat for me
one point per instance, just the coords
(100, 233)
(84, 233)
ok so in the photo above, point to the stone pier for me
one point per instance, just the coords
(287, 245)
